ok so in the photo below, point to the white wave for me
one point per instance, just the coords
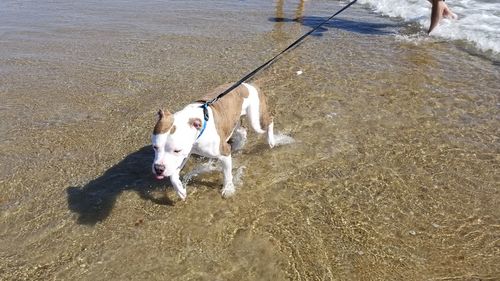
(478, 20)
(213, 165)
(282, 139)
(204, 168)
(413, 38)
(238, 176)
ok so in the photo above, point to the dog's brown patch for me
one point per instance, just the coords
(226, 112)
(164, 123)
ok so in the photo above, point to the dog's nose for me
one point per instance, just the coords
(159, 168)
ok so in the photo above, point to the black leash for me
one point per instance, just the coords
(294, 44)
(251, 74)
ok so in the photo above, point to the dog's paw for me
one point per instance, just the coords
(270, 140)
(182, 193)
(228, 190)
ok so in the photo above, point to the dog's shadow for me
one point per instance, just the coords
(94, 201)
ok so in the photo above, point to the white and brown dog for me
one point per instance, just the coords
(177, 135)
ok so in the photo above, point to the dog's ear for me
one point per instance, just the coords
(195, 122)
(164, 123)
(162, 114)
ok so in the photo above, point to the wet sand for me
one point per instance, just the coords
(393, 174)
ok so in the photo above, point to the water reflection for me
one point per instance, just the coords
(279, 34)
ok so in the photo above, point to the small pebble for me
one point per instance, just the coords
(139, 222)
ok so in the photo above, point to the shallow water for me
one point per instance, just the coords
(392, 175)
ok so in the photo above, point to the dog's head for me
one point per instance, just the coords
(172, 140)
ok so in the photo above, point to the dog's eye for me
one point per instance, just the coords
(177, 150)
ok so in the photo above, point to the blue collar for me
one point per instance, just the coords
(205, 119)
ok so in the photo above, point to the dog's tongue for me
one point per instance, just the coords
(159, 177)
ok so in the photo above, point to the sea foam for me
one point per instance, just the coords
(478, 20)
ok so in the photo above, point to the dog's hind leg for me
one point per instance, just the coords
(266, 119)
(254, 118)
(259, 116)
(253, 109)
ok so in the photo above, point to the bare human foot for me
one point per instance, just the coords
(439, 11)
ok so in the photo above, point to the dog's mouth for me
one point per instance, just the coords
(159, 177)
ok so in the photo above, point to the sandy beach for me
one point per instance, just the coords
(388, 168)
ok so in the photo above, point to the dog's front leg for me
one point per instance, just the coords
(227, 166)
(178, 186)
